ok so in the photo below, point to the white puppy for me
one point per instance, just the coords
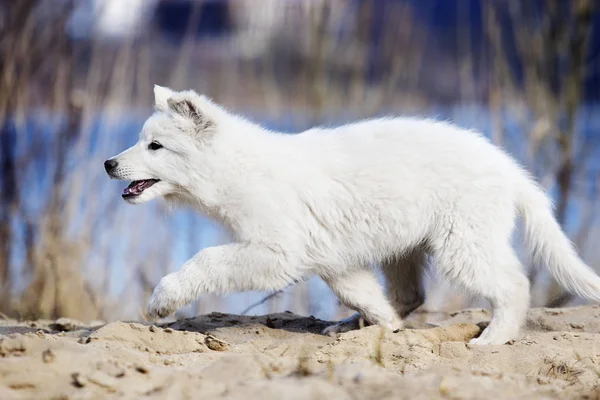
(332, 202)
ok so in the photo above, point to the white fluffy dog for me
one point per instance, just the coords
(333, 202)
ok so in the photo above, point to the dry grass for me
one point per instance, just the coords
(567, 371)
(378, 356)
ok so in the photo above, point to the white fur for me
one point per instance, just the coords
(332, 202)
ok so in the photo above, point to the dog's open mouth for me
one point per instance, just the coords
(136, 188)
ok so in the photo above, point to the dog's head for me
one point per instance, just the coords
(159, 164)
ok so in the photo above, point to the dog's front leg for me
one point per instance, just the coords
(223, 269)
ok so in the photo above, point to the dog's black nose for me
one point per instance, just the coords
(109, 165)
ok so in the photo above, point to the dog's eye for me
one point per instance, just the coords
(155, 146)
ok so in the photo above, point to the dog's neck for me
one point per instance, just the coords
(223, 185)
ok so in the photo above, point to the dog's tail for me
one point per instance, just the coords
(550, 246)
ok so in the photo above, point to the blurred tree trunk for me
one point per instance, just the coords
(8, 195)
(12, 25)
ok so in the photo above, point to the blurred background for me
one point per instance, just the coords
(76, 80)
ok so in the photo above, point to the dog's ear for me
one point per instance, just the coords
(161, 97)
(186, 105)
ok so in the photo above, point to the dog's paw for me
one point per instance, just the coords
(493, 338)
(166, 298)
(346, 325)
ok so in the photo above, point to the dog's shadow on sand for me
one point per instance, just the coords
(208, 323)
(286, 321)
(218, 321)
(213, 323)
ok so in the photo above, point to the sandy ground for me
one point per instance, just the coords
(282, 356)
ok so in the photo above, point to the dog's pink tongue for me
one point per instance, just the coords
(137, 187)
(134, 187)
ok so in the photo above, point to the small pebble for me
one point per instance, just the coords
(48, 356)
(141, 369)
(79, 380)
(216, 344)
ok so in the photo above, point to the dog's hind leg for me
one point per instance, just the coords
(404, 277)
(486, 265)
(360, 291)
